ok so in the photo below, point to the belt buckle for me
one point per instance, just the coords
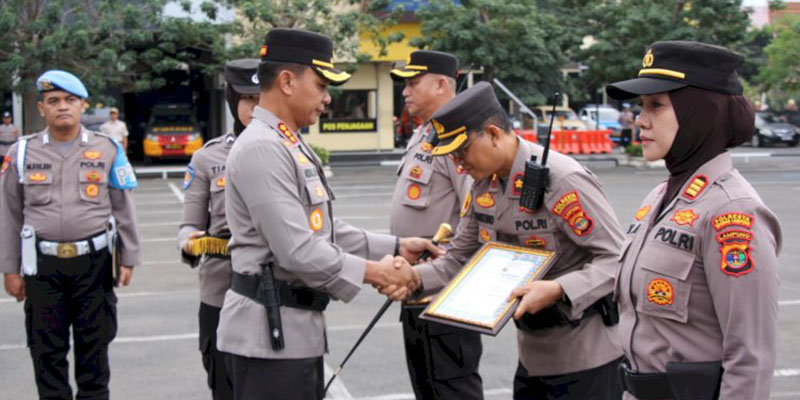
(67, 250)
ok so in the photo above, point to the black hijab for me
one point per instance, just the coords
(708, 123)
(232, 97)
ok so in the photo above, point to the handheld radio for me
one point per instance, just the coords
(537, 175)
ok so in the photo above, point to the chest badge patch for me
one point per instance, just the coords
(684, 217)
(485, 235)
(642, 213)
(319, 192)
(6, 163)
(303, 160)
(221, 182)
(516, 190)
(485, 200)
(465, 206)
(315, 220)
(414, 192)
(699, 183)
(93, 176)
(92, 154)
(415, 172)
(92, 190)
(37, 177)
(660, 292)
(427, 147)
(535, 241)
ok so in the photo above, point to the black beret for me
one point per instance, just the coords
(303, 47)
(671, 65)
(466, 112)
(427, 61)
(242, 75)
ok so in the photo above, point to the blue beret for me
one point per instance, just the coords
(61, 80)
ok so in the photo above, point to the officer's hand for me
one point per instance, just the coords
(411, 248)
(536, 296)
(187, 245)
(15, 286)
(125, 275)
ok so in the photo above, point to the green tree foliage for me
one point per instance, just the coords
(512, 40)
(622, 29)
(782, 71)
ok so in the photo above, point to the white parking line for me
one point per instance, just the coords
(177, 192)
(337, 390)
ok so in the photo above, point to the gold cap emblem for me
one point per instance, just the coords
(46, 84)
(648, 59)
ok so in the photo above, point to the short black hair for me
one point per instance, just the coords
(499, 119)
(268, 71)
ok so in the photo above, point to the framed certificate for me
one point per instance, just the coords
(477, 298)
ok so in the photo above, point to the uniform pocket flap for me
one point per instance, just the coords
(38, 178)
(218, 184)
(93, 176)
(666, 261)
(419, 173)
(316, 192)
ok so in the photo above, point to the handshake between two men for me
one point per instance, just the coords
(394, 276)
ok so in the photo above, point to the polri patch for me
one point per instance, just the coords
(414, 192)
(92, 154)
(221, 182)
(415, 172)
(427, 147)
(315, 220)
(699, 183)
(735, 258)
(660, 292)
(642, 213)
(485, 235)
(486, 200)
(93, 176)
(92, 190)
(684, 217)
(535, 241)
(728, 219)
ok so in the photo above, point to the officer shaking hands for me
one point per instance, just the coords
(66, 195)
(204, 234)
(289, 255)
(442, 360)
(565, 335)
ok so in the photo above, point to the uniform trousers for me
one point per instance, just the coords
(276, 379)
(74, 292)
(442, 360)
(213, 360)
(599, 383)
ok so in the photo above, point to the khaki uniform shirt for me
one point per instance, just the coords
(204, 210)
(578, 222)
(429, 190)
(700, 281)
(277, 203)
(65, 198)
(8, 135)
(116, 129)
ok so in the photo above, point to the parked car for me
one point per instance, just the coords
(770, 130)
(609, 117)
(172, 132)
(565, 120)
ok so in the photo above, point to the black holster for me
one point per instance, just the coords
(552, 316)
(272, 304)
(682, 381)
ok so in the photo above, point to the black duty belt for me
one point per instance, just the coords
(7, 143)
(552, 317)
(290, 296)
(682, 381)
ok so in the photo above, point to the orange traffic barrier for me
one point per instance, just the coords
(528, 134)
(556, 141)
(587, 143)
(573, 142)
(605, 141)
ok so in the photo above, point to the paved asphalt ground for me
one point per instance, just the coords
(155, 354)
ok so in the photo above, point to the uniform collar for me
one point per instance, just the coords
(83, 136)
(267, 117)
(228, 140)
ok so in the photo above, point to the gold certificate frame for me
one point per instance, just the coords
(477, 297)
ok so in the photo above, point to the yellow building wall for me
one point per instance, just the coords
(395, 51)
(369, 76)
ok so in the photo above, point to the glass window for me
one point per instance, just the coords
(350, 111)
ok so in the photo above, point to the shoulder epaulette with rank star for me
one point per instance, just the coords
(287, 133)
(699, 183)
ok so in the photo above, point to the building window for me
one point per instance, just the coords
(350, 111)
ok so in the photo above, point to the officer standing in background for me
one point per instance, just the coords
(698, 280)
(116, 127)
(442, 360)
(8, 134)
(567, 348)
(66, 192)
(204, 222)
(289, 255)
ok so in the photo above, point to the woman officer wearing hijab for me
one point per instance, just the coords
(204, 231)
(698, 281)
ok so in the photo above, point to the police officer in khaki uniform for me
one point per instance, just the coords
(66, 192)
(204, 224)
(698, 284)
(8, 133)
(442, 360)
(278, 207)
(567, 348)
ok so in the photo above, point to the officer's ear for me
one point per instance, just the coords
(495, 133)
(285, 81)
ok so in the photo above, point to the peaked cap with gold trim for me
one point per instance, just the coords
(671, 65)
(427, 61)
(463, 114)
(303, 47)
